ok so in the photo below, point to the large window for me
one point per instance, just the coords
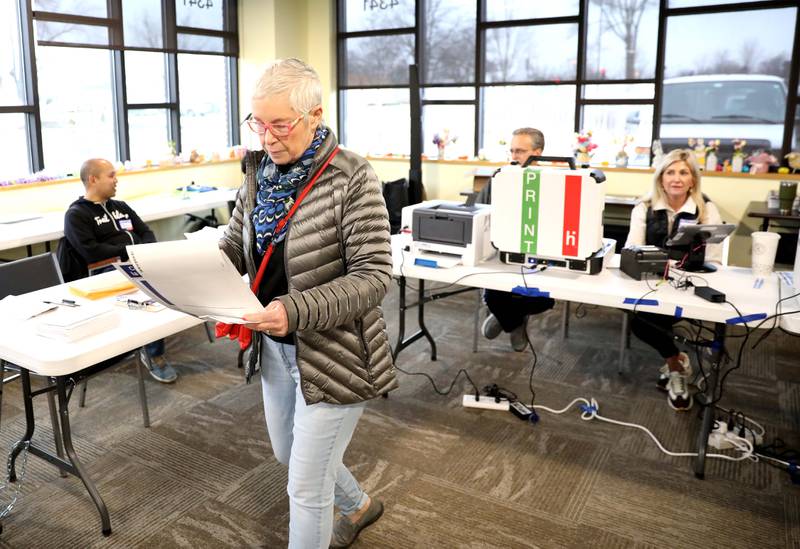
(119, 79)
(704, 69)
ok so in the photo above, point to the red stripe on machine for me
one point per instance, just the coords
(572, 215)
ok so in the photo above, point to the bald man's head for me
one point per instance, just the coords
(99, 177)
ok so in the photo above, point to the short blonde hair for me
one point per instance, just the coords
(679, 155)
(295, 77)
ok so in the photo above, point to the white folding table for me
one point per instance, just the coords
(751, 301)
(50, 226)
(66, 363)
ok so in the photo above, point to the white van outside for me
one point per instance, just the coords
(724, 107)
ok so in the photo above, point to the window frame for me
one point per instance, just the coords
(114, 23)
(581, 81)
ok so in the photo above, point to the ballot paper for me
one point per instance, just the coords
(192, 276)
(71, 323)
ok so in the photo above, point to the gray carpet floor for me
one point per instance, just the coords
(203, 474)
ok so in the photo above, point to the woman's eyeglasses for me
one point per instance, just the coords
(277, 130)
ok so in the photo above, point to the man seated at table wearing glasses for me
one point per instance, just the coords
(509, 312)
(96, 231)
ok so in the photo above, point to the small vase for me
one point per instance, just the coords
(711, 162)
(736, 163)
(441, 153)
(583, 158)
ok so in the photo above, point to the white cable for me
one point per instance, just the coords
(776, 460)
(741, 444)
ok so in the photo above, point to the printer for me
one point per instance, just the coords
(446, 233)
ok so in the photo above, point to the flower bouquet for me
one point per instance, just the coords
(711, 154)
(583, 147)
(442, 140)
(738, 154)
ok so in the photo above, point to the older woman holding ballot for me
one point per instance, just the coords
(675, 199)
(311, 230)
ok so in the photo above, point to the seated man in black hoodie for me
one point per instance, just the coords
(96, 231)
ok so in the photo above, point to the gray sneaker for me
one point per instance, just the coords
(345, 531)
(491, 327)
(519, 337)
(159, 368)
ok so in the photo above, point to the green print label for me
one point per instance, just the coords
(530, 211)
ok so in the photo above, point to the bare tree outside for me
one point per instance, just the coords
(622, 18)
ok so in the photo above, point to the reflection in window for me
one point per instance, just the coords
(506, 10)
(148, 135)
(550, 109)
(76, 105)
(92, 8)
(617, 128)
(14, 144)
(455, 121)
(141, 20)
(376, 121)
(361, 15)
(449, 41)
(145, 77)
(379, 60)
(12, 77)
(204, 14)
(519, 54)
(621, 39)
(204, 99)
(50, 31)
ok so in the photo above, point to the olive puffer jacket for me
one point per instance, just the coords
(339, 265)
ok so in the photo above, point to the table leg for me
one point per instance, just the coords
(402, 341)
(142, 394)
(717, 351)
(765, 224)
(66, 435)
(51, 405)
(30, 423)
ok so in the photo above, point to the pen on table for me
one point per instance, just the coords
(64, 302)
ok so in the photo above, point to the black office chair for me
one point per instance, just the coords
(21, 277)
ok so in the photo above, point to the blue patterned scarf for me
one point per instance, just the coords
(275, 195)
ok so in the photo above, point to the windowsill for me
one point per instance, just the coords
(135, 171)
(642, 170)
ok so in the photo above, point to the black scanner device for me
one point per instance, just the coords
(638, 261)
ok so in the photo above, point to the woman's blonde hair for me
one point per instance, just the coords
(679, 155)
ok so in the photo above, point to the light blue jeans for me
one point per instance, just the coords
(311, 440)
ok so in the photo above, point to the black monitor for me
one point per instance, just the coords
(690, 242)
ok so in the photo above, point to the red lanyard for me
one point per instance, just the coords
(283, 221)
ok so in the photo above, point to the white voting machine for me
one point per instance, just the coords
(550, 216)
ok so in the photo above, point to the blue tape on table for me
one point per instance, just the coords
(746, 318)
(529, 292)
(678, 311)
(637, 301)
(425, 263)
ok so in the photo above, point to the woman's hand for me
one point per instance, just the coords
(272, 320)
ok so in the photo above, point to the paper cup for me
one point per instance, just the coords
(765, 245)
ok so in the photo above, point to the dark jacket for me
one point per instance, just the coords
(338, 265)
(95, 232)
